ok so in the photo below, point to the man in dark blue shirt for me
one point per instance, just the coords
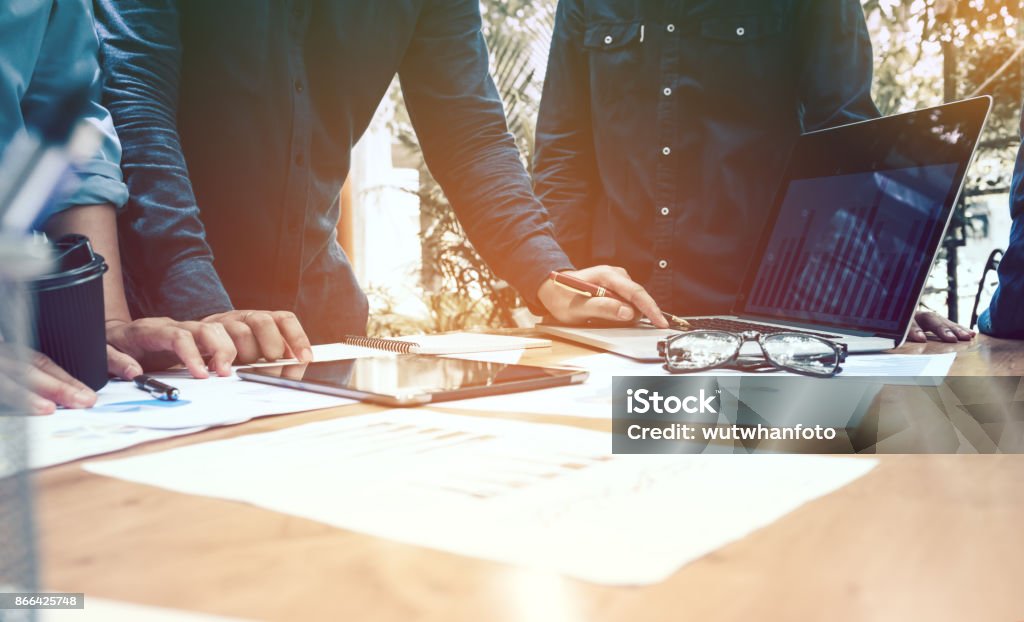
(665, 126)
(1005, 314)
(248, 110)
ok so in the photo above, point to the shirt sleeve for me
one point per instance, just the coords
(67, 60)
(835, 82)
(458, 116)
(565, 168)
(1005, 315)
(168, 263)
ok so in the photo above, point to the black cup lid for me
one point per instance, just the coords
(75, 260)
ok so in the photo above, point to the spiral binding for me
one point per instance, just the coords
(389, 345)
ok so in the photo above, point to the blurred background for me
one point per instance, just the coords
(429, 278)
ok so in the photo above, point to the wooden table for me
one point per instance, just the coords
(922, 537)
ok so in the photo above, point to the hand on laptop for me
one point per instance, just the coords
(943, 328)
(270, 335)
(571, 308)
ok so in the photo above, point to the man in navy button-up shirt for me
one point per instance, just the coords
(1005, 314)
(665, 126)
(237, 119)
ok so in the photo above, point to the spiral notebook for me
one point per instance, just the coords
(449, 343)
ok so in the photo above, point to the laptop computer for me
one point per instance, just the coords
(851, 236)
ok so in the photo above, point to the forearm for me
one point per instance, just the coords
(459, 118)
(565, 174)
(172, 269)
(99, 224)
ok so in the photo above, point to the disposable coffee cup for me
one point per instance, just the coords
(69, 323)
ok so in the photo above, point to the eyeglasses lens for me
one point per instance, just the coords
(701, 349)
(803, 353)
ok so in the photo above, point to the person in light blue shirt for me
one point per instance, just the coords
(48, 51)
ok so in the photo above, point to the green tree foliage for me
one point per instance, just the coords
(912, 39)
(462, 292)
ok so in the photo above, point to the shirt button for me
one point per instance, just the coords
(671, 28)
(741, 31)
(662, 264)
(300, 159)
(299, 87)
(667, 91)
(608, 40)
(665, 151)
(664, 211)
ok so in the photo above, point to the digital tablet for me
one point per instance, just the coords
(411, 379)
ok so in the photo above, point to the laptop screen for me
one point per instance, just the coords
(859, 218)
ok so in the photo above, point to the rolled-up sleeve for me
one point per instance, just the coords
(458, 116)
(68, 61)
(168, 261)
(99, 179)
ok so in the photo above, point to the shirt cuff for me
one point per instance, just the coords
(536, 258)
(985, 322)
(191, 290)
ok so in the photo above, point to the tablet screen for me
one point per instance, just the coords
(408, 375)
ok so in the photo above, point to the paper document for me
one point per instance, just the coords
(66, 437)
(208, 402)
(338, 351)
(448, 343)
(124, 416)
(507, 357)
(542, 496)
(593, 398)
(882, 365)
(899, 365)
(103, 610)
(465, 343)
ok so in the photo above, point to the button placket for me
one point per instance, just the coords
(663, 234)
(297, 205)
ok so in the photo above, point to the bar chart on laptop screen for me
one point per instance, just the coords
(849, 248)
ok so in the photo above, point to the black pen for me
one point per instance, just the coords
(156, 388)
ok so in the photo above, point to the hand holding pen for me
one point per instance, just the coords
(600, 292)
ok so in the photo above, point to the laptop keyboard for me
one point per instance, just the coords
(737, 326)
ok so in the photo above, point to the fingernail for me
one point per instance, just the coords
(83, 399)
(624, 313)
(132, 372)
(949, 332)
(306, 355)
(41, 406)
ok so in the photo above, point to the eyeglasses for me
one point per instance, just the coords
(701, 350)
